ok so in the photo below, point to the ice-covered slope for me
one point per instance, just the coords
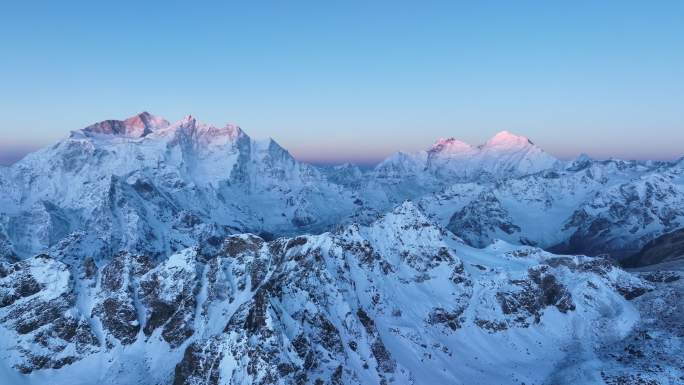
(621, 219)
(589, 207)
(125, 257)
(150, 186)
(449, 160)
(399, 301)
(146, 185)
(502, 156)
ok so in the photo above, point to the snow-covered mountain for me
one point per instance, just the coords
(591, 207)
(145, 185)
(450, 161)
(141, 251)
(399, 301)
(503, 155)
(149, 186)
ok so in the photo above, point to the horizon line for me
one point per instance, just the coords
(13, 153)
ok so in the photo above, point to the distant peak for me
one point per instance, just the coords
(202, 133)
(450, 145)
(507, 139)
(188, 119)
(148, 121)
(408, 212)
(136, 126)
(145, 115)
(583, 158)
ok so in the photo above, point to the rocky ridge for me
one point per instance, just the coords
(398, 301)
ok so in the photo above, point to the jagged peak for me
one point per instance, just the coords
(275, 149)
(187, 120)
(145, 124)
(147, 120)
(136, 126)
(191, 128)
(407, 212)
(408, 208)
(408, 228)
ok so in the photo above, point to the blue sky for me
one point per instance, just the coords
(335, 81)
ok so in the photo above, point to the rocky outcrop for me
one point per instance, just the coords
(115, 305)
(365, 304)
(540, 290)
(482, 219)
(37, 301)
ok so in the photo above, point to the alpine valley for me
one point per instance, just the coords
(141, 251)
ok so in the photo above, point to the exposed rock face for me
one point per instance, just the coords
(478, 221)
(151, 187)
(532, 295)
(650, 351)
(622, 219)
(200, 364)
(169, 295)
(338, 308)
(146, 186)
(666, 248)
(133, 127)
(147, 271)
(115, 303)
(589, 207)
(37, 303)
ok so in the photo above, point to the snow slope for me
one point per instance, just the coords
(399, 301)
(141, 251)
(591, 207)
(402, 176)
(149, 186)
(145, 185)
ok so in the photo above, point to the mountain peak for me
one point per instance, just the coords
(450, 145)
(505, 139)
(136, 126)
(583, 158)
(203, 133)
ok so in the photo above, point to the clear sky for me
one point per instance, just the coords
(353, 80)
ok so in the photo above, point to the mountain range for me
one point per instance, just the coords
(146, 185)
(141, 251)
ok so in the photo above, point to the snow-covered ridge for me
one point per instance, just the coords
(450, 160)
(592, 207)
(144, 184)
(502, 140)
(450, 145)
(136, 126)
(398, 301)
(144, 251)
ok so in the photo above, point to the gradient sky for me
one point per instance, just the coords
(334, 81)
